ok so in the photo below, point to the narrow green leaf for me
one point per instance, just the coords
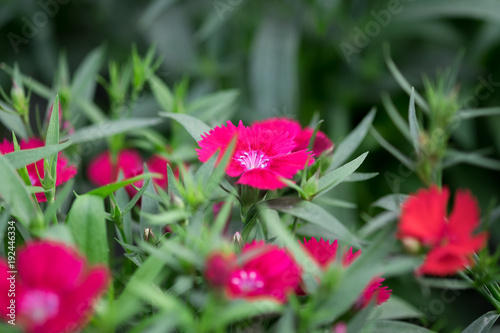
(388, 326)
(345, 149)
(474, 113)
(149, 206)
(86, 74)
(172, 183)
(106, 190)
(239, 310)
(401, 79)
(194, 126)
(483, 324)
(161, 219)
(360, 176)
(218, 105)
(87, 222)
(445, 283)
(313, 213)
(391, 202)
(52, 139)
(162, 93)
(12, 121)
(396, 118)
(391, 149)
(60, 233)
(30, 83)
(61, 197)
(412, 119)
(101, 131)
(16, 195)
(335, 177)
(454, 157)
(23, 171)
(377, 223)
(21, 158)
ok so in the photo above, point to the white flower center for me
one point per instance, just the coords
(40, 305)
(247, 281)
(253, 159)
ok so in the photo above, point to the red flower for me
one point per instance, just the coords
(325, 254)
(424, 218)
(374, 291)
(64, 170)
(158, 164)
(301, 136)
(101, 171)
(261, 156)
(219, 267)
(55, 289)
(266, 272)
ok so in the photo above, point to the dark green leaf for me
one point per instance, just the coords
(483, 324)
(388, 326)
(412, 120)
(106, 190)
(21, 158)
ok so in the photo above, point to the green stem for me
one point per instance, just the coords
(295, 225)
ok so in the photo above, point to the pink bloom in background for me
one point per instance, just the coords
(267, 272)
(158, 164)
(55, 288)
(322, 144)
(325, 253)
(102, 171)
(64, 171)
(261, 156)
(424, 218)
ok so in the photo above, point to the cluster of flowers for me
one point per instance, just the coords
(102, 170)
(266, 151)
(424, 223)
(265, 271)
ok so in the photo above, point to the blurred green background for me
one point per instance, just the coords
(296, 58)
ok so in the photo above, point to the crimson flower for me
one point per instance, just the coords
(55, 288)
(64, 171)
(261, 158)
(450, 238)
(102, 171)
(266, 272)
(300, 135)
(325, 253)
(158, 164)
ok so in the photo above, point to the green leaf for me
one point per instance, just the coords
(391, 149)
(239, 310)
(431, 10)
(21, 158)
(60, 233)
(345, 149)
(445, 283)
(106, 190)
(335, 177)
(194, 126)
(454, 157)
(377, 223)
(162, 93)
(101, 131)
(483, 324)
(84, 79)
(172, 183)
(388, 326)
(474, 113)
(360, 176)
(16, 195)
(161, 219)
(52, 139)
(401, 79)
(391, 202)
(396, 118)
(61, 197)
(412, 119)
(273, 71)
(395, 308)
(30, 83)
(12, 121)
(313, 213)
(149, 206)
(87, 222)
(218, 105)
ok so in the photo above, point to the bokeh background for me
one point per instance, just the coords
(296, 58)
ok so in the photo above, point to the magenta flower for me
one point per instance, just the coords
(301, 136)
(261, 158)
(158, 164)
(101, 171)
(325, 253)
(267, 272)
(55, 289)
(64, 171)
